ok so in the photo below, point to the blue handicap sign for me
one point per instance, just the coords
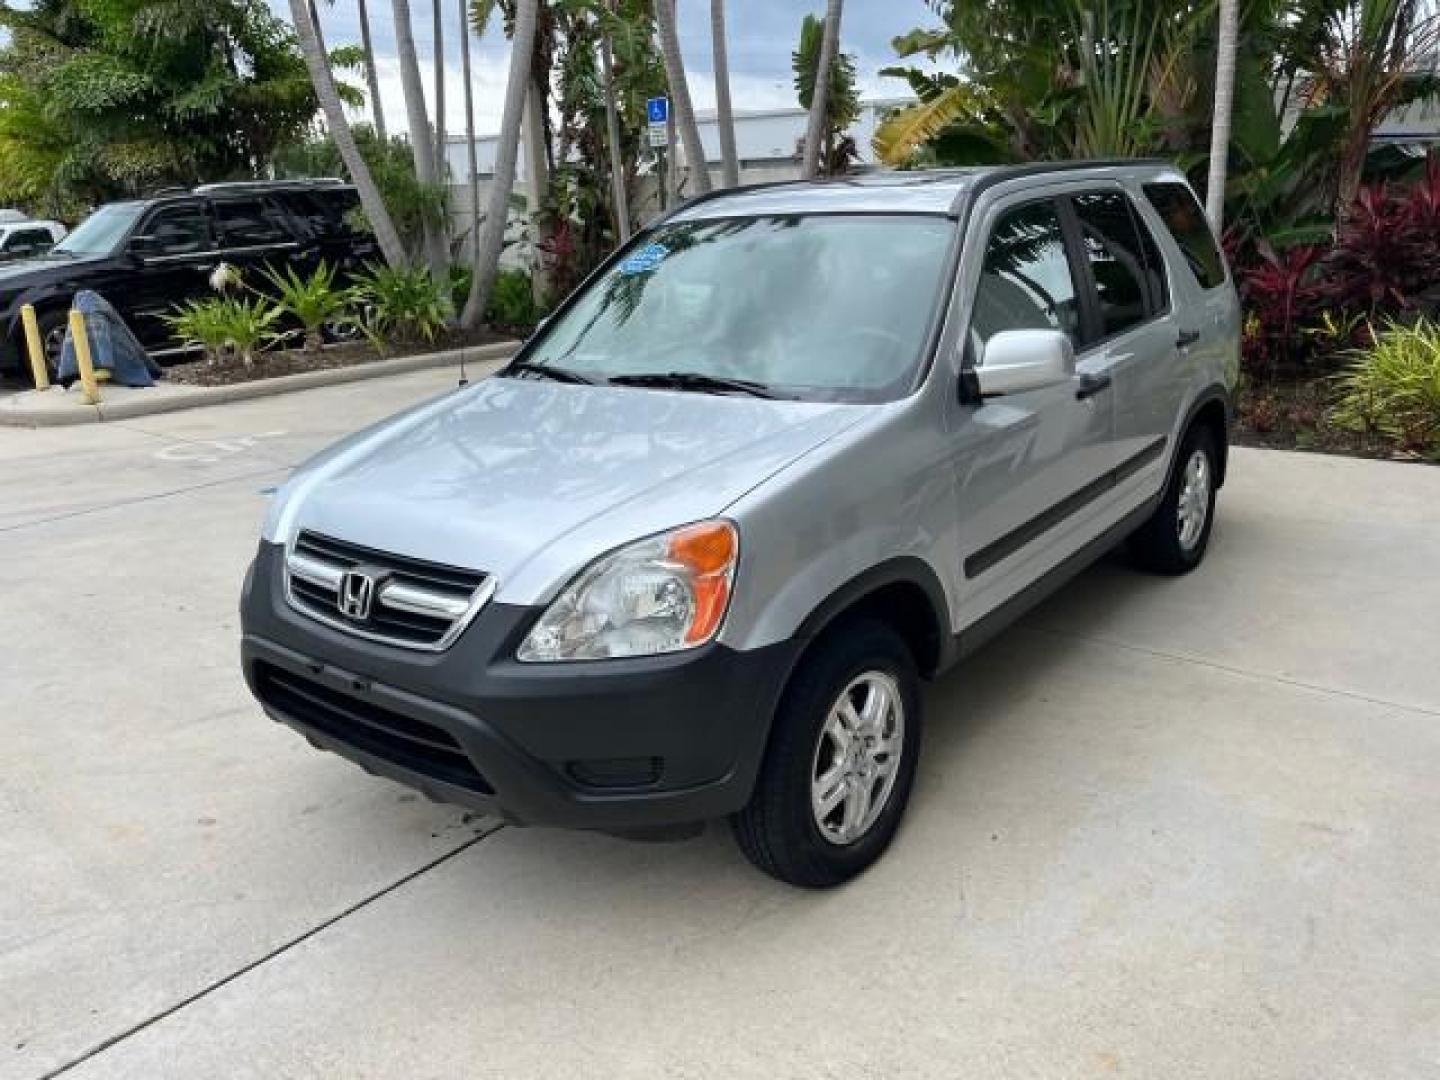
(644, 260)
(658, 109)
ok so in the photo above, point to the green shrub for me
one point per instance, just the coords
(1392, 389)
(401, 303)
(312, 301)
(512, 300)
(461, 278)
(226, 324)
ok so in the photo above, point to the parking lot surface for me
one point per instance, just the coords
(1163, 828)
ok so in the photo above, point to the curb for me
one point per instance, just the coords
(13, 414)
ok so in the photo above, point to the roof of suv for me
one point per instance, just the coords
(928, 191)
(319, 185)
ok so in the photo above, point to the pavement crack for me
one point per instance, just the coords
(279, 950)
(268, 470)
(1232, 669)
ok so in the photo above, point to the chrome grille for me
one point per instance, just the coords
(409, 602)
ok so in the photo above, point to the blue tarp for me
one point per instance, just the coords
(112, 345)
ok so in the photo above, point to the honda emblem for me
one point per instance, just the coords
(357, 593)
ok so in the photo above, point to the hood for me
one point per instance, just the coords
(493, 477)
(18, 274)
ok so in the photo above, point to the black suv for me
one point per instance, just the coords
(148, 255)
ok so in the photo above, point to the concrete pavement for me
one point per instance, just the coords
(1165, 828)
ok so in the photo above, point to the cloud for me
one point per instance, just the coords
(760, 36)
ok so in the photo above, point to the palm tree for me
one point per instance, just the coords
(329, 97)
(819, 101)
(497, 205)
(680, 106)
(372, 76)
(1220, 125)
(724, 118)
(422, 145)
(471, 161)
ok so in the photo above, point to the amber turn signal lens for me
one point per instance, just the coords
(708, 551)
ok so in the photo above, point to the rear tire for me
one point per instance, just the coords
(841, 761)
(1174, 539)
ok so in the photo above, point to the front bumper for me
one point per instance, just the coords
(616, 745)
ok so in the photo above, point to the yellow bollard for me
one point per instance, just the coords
(39, 370)
(82, 358)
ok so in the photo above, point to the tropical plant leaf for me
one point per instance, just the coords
(903, 132)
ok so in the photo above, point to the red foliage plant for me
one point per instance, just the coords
(1386, 252)
(1284, 292)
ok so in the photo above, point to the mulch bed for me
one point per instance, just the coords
(269, 365)
(1293, 414)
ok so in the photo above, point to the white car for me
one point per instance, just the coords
(22, 239)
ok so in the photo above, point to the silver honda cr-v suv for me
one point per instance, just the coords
(793, 450)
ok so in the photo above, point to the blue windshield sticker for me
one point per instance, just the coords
(644, 260)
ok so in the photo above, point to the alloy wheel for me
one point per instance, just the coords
(1194, 503)
(857, 757)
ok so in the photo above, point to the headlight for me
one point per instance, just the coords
(658, 595)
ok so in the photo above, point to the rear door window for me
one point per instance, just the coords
(1025, 281)
(1182, 215)
(1120, 264)
(250, 223)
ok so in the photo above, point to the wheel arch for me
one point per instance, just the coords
(903, 592)
(1212, 408)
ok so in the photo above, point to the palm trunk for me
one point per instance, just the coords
(680, 105)
(372, 76)
(324, 82)
(439, 61)
(537, 182)
(820, 99)
(422, 144)
(618, 194)
(1220, 125)
(492, 234)
(471, 160)
(724, 118)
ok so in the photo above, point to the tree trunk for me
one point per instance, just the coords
(492, 234)
(422, 144)
(320, 77)
(680, 105)
(618, 194)
(1220, 123)
(537, 182)
(372, 76)
(820, 99)
(471, 160)
(724, 118)
(437, 16)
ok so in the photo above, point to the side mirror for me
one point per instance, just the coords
(141, 246)
(1020, 360)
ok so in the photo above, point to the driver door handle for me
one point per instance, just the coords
(1090, 385)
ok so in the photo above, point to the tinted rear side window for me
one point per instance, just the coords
(1116, 255)
(1187, 224)
(250, 222)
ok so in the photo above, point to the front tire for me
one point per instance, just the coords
(841, 762)
(1174, 539)
(52, 325)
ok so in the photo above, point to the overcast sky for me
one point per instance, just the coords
(761, 35)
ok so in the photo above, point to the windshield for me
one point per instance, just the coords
(828, 307)
(102, 231)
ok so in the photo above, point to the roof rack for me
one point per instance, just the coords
(247, 185)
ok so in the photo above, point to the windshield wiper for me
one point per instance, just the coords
(547, 371)
(695, 380)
